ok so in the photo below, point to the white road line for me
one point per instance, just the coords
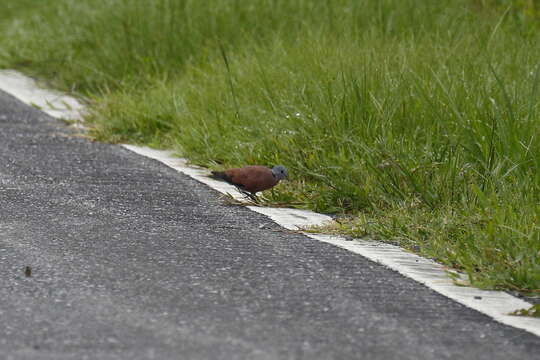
(52, 102)
(496, 304)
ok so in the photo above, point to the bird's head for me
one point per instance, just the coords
(280, 172)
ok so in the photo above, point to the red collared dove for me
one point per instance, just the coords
(253, 178)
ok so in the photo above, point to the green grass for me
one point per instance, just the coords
(533, 311)
(417, 121)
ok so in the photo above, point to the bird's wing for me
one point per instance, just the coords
(256, 178)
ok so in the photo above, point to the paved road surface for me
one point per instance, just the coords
(132, 260)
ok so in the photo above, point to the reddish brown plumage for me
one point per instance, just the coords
(253, 178)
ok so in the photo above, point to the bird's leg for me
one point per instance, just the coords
(252, 196)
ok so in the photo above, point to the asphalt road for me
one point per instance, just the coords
(132, 260)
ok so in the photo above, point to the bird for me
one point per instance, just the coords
(252, 178)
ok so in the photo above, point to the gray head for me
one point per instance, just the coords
(280, 172)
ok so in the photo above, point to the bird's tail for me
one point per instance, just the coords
(220, 175)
